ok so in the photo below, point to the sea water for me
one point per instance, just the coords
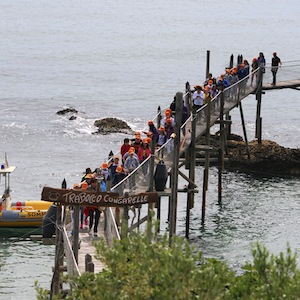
(123, 59)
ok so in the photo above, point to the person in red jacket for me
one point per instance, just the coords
(144, 152)
(125, 148)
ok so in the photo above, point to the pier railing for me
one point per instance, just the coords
(142, 177)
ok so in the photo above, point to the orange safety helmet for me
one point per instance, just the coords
(104, 166)
(84, 185)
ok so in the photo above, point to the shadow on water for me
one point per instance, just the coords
(20, 233)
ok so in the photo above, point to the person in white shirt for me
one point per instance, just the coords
(198, 97)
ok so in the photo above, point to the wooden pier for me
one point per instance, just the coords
(178, 153)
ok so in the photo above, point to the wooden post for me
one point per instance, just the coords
(75, 229)
(207, 158)
(158, 117)
(169, 200)
(188, 102)
(221, 148)
(158, 214)
(56, 280)
(207, 63)
(124, 230)
(192, 165)
(151, 176)
(174, 187)
(244, 130)
(258, 107)
(228, 125)
(89, 265)
(260, 130)
(231, 61)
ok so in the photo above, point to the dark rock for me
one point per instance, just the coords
(72, 118)
(112, 125)
(265, 158)
(66, 111)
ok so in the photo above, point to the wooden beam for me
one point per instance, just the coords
(187, 179)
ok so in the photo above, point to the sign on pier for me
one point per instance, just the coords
(90, 198)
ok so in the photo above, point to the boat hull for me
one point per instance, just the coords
(24, 214)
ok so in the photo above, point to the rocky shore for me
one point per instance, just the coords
(267, 158)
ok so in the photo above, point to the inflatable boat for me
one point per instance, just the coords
(19, 214)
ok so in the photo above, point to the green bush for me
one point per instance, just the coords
(143, 266)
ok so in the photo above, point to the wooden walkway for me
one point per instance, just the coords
(291, 84)
(87, 246)
(232, 97)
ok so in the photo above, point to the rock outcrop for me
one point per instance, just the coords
(112, 125)
(67, 111)
(267, 158)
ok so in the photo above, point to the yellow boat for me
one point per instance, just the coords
(19, 214)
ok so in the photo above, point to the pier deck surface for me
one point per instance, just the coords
(87, 246)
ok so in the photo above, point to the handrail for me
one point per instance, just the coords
(72, 266)
(233, 94)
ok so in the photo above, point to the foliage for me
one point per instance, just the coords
(269, 277)
(144, 266)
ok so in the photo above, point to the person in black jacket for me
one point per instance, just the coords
(275, 64)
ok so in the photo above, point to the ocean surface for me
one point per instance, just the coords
(123, 59)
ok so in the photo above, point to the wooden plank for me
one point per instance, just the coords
(87, 247)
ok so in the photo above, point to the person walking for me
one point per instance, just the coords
(94, 211)
(275, 64)
(131, 163)
(261, 62)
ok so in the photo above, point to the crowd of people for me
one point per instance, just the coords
(135, 150)
(212, 85)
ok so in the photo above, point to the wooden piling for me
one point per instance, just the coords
(158, 117)
(221, 149)
(207, 158)
(174, 178)
(258, 107)
(192, 164)
(75, 230)
(124, 229)
(59, 252)
(151, 177)
(207, 62)
(244, 130)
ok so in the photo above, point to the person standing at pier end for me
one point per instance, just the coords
(275, 64)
